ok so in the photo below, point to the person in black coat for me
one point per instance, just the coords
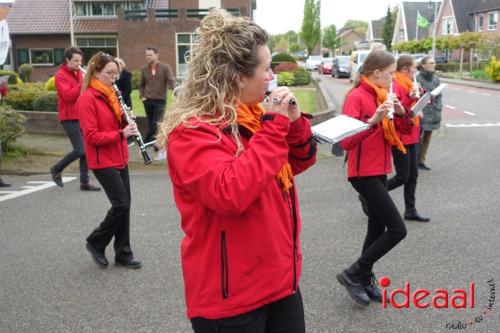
(124, 82)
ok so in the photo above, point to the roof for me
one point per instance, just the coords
(485, 5)
(52, 17)
(462, 9)
(410, 10)
(377, 27)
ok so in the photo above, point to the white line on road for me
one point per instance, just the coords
(474, 125)
(31, 189)
(469, 113)
(485, 94)
(450, 107)
(471, 91)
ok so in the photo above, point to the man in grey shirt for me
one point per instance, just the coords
(156, 77)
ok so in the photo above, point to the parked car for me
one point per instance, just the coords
(440, 59)
(326, 66)
(355, 62)
(340, 66)
(313, 62)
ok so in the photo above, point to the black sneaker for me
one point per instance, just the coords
(89, 187)
(129, 263)
(423, 166)
(56, 177)
(99, 258)
(2, 184)
(372, 288)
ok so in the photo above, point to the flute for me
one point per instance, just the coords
(130, 119)
(416, 86)
(390, 114)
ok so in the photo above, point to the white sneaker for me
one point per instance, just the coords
(161, 155)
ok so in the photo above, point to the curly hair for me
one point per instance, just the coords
(226, 46)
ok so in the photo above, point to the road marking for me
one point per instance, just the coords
(485, 94)
(31, 189)
(450, 107)
(474, 125)
(471, 91)
(469, 113)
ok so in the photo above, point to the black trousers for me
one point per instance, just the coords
(72, 129)
(283, 316)
(385, 225)
(115, 183)
(155, 109)
(406, 173)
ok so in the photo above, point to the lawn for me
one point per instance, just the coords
(305, 96)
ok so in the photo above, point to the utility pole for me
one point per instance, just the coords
(434, 31)
(71, 28)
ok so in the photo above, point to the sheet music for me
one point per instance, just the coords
(421, 104)
(338, 128)
(439, 89)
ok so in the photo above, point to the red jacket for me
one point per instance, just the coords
(368, 153)
(68, 86)
(105, 145)
(404, 97)
(241, 246)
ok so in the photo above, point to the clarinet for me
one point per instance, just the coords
(129, 118)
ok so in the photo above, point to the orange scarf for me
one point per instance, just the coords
(390, 133)
(407, 84)
(249, 117)
(110, 96)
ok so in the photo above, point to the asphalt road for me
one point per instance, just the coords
(48, 282)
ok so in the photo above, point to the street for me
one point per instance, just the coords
(50, 284)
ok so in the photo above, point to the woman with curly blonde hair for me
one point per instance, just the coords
(232, 161)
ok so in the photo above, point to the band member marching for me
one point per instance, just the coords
(105, 134)
(408, 92)
(369, 162)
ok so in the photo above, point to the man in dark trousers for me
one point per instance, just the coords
(155, 78)
(68, 81)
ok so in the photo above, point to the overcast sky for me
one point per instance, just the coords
(279, 16)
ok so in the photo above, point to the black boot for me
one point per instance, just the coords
(352, 279)
(413, 215)
(372, 288)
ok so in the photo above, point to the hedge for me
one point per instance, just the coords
(13, 76)
(46, 102)
(11, 127)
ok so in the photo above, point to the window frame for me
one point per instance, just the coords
(51, 50)
(192, 36)
(444, 26)
(127, 5)
(480, 22)
(492, 27)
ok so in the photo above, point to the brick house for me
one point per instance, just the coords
(41, 30)
(350, 41)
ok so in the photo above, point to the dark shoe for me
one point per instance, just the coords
(89, 187)
(99, 258)
(2, 184)
(352, 280)
(423, 166)
(130, 263)
(364, 204)
(56, 177)
(415, 216)
(372, 288)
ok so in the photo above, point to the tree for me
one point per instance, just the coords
(358, 26)
(330, 39)
(388, 28)
(311, 24)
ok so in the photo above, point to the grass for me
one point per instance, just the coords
(305, 96)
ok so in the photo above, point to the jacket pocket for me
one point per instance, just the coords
(224, 266)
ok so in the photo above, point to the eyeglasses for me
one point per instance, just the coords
(429, 63)
(112, 74)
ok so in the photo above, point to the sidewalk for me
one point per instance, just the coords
(45, 150)
(472, 83)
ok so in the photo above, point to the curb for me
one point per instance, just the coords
(474, 84)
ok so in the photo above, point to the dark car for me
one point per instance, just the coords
(440, 59)
(326, 66)
(340, 66)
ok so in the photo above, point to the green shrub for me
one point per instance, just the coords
(11, 127)
(13, 77)
(25, 71)
(136, 78)
(301, 77)
(283, 57)
(22, 97)
(493, 69)
(50, 85)
(285, 79)
(46, 102)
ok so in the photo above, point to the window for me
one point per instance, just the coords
(402, 34)
(42, 56)
(104, 8)
(447, 25)
(184, 44)
(480, 23)
(492, 21)
(83, 42)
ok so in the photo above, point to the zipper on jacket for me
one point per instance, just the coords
(293, 215)
(97, 154)
(224, 266)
